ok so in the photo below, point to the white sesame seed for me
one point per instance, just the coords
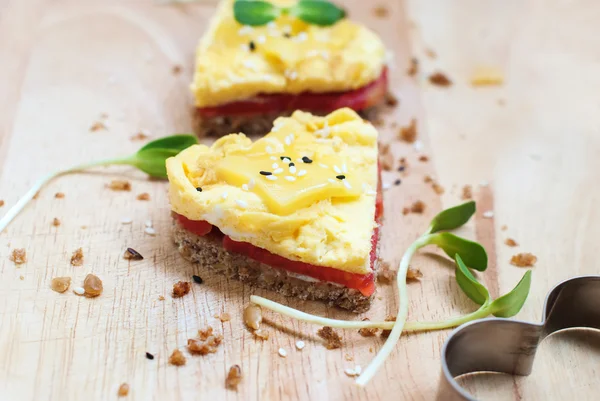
(344, 168)
(78, 290)
(261, 39)
(148, 223)
(350, 372)
(251, 183)
(275, 165)
(331, 180)
(347, 184)
(224, 195)
(245, 30)
(282, 353)
(385, 186)
(269, 149)
(323, 165)
(150, 231)
(300, 344)
(290, 178)
(488, 214)
(126, 220)
(484, 183)
(418, 146)
(271, 177)
(293, 169)
(286, 160)
(241, 203)
(277, 171)
(245, 187)
(301, 173)
(337, 169)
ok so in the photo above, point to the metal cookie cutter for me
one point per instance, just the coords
(509, 346)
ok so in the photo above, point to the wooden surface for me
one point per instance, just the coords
(535, 139)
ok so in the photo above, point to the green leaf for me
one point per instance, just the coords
(152, 161)
(175, 142)
(452, 218)
(255, 13)
(317, 12)
(469, 284)
(510, 304)
(472, 253)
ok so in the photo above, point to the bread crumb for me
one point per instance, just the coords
(21, 278)
(18, 256)
(143, 196)
(37, 195)
(385, 275)
(205, 333)
(208, 342)
(486, 76)
(439, 79)
(423, 158)
(510, 242)
(97, 126)
(333, 339)
(367, 332)
(161, 298)
(55, 222)
(384, 148)
(504, 227)
(234, 377)
(177, 358)
(467, 192)
(119, 185)
(405, 211)
(60, 284)
(140, 136)
(123, 390)
(224, 317)
(437, 188)
(348, 357)
(77, 257)
(176, 70)
(430, 53)
(390, 99)
(413, 274)
(409, 133)
(181, 288)
(380, 11)
(417, 207)
(413, 68)
(387, 161)
(1, 203)
(59, 195)
(261, 334)
(386, 333)
(523, 260)
(92, 286)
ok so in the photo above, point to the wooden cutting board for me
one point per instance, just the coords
(535, 140)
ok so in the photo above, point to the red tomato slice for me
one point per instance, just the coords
(358, 99)
(198, 227)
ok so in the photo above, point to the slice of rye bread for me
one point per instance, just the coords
(209, 253)
(256, 125)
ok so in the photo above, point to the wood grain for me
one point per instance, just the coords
(69, 61)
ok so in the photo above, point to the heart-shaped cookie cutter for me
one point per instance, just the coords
(509, 346)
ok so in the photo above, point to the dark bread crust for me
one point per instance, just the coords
(209, 253)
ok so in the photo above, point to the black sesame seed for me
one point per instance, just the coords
(265, 173)
(149, 356)
(285, 157)
(305, 159)
(133, 254)
(252, 46)
(197, 279)
(340, 177)
(401, 168)
(397, 182)
(198, 189)
(287, 35)
(291, 164)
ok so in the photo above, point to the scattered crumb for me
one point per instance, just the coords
(486, 76)
(60, 284)
(282, 353)
(1, 203)
(208, 342)
(385, 275)
(387, 161)
(386, 333)
(405, 211)
(384, 148)
(55, 222)
(224, 317)
(353, 372)
(253, 316)
(140, 136)
(59, 195)
(504, 227)
(18, 256)
(510, 242)
(79, 290)
(205, 333)
(132, 254)
(348, 357)
(119, 185)
(381, 11)
(390, 99)
(523, 260)
(181, 288)
(367, 332)
(413, 274)
(177, 358)
(176, 69)
(234, 377)
(430, 53)
(97, 126)
(77, 257)
(21, 278)
(378, 122)
(417, 207)
(439, 79)
(413, 69)
(37, 194)
(371, 349)
(123, 390)
(488, 214)
(261, 334)
(92, 286)
(467, 192)
(437, 188)
(300, 345)
(333, 339)
(409, 133)
(161, 298)
(143, 196)
(423, 158)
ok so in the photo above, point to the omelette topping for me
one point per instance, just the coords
(235, 62)
(305, 191)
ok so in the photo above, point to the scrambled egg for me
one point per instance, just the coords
(306, 191)
(289, 56)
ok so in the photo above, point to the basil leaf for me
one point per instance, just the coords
(176, 142)
(452, 218)
(255, 13)
(469, 284)
(510, 304)
(152, 161)
(317, 12)
(472, 253)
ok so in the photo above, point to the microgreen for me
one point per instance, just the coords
(466, 254)
(150, 159)
(258, 12)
